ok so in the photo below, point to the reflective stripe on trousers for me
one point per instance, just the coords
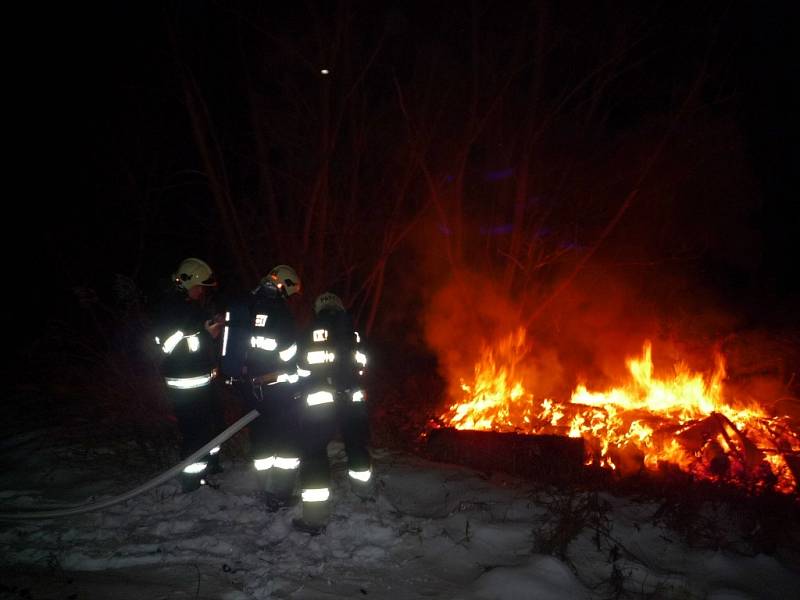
(316, 494)
(279, 462)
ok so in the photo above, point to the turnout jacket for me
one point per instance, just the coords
(330, 351)
(187, 349)
(260, 338)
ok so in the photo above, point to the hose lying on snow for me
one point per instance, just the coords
(159, 479)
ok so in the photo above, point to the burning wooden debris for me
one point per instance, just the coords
(684, 420)
(550, 458)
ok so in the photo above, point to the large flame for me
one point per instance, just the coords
(685, 419)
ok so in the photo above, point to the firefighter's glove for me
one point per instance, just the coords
(214, 328)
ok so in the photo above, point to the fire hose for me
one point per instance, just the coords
(158, 480)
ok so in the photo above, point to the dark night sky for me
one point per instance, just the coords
(97, 109)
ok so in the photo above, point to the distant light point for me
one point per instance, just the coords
(324, 71)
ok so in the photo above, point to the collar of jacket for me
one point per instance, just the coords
(269, 290)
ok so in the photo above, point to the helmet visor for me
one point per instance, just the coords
(210, 281)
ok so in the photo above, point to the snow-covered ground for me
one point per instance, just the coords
(433, 531)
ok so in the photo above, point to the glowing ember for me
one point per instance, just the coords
(685, 419)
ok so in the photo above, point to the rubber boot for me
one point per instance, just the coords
(191, 481)
(363, 489)
(315, 517)
(214, 465)
(279, 488)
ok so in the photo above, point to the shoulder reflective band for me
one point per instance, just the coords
(187, 383)
(361, 358)
(263, 343)
(194, 342)
(320, 335)
(262, 464)
(358, 396)
(319, 398)
(287, 463)
(197, 467)
(214, 450)
(287, 354)
(317, 357)
(303, 372)
(172, 341)
(358, 337)
(316, 495)
(261, 321)
(361, 475)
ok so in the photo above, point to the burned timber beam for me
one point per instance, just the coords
(551, 458)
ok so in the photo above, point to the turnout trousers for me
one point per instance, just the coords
(196, 412)
(274, 436)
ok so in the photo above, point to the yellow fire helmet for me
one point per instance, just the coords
(327, 301)
(285, 278)
(193, 272)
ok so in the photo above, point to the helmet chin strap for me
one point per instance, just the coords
(270, 285)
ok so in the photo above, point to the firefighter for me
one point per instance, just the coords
(186, 330)
(259, 358)
(332, 363)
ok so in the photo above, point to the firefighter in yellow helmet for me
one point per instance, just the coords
(332, 361)
(259, 357)
(186, 331)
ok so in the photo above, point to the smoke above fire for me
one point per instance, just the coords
(584, 334)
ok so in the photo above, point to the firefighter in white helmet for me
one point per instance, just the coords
(185, 333)
(332, 363)
(259, 351)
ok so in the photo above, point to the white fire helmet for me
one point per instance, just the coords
(193, 272)
(328, 301)
(286, 278)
